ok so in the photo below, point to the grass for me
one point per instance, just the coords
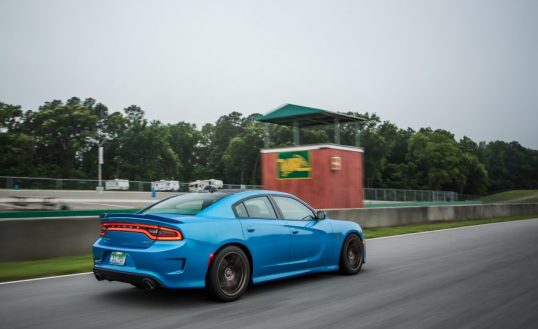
(514, 196)
(397, 230)
(47, 267)
(76, 264)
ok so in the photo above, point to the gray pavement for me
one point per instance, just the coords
(476, 277)
(81, 200)
(88, 200)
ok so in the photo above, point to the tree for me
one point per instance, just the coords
(134, 113)
(435, 154)
(61, 133)
(146, 153)
(11, 117)
(61, 140)
(398, 171)
(226, 128)
(184, 139)
(511, 166)
(242, 156)
(16, 147)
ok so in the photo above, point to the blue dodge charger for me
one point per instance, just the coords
(224, 241)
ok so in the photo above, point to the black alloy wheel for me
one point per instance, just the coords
(351, 256)
(229, 274)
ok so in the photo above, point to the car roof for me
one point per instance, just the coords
(223, 207)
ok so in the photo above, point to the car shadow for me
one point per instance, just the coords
(161, 298)
(191, 298)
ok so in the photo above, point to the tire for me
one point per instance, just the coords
(351, 256)
(228, 276)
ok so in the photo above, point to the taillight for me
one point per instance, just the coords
(151, 231)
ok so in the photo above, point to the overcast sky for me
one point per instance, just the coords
(468, 66)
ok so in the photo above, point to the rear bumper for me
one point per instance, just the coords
(135, 279)
(174, 264)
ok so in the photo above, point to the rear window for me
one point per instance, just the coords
(259, 207)
(241, 211)
(186, 204)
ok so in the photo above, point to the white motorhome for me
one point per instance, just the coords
(117, 185)
(205, 185)
(165, 185)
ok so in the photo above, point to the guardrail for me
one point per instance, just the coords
(40, 238)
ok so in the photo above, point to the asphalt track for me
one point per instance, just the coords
(476, 277)
(87, 200)
(83, 200)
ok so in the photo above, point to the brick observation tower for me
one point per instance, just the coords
(327, 176)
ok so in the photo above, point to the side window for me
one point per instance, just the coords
(259, 207)
(293, 209)
(241, 211)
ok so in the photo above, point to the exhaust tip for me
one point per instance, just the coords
(149, 284)
(98, 276)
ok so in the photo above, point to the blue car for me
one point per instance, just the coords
(224, 241)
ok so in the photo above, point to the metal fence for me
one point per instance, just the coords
(370, 194)
(399, 195)
(35, 183)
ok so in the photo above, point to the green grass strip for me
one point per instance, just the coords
(514, 196)
(20, 270)
(378, 232)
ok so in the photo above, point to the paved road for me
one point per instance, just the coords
(87, 200)
(81, 200)
(477, 277)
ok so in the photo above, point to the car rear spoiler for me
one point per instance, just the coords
(118, 216)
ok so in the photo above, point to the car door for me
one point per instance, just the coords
(267, 237)
(309, 237)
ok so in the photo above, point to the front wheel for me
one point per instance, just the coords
(229, 274)
(351, 256)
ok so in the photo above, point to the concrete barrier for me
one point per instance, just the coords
(381, 217)
(30, 239)
(41, 238)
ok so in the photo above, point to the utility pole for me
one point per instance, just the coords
(100, 162)
(100, 158)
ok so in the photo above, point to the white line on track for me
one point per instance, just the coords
(446, 229)
(46, 278)
(383, 237)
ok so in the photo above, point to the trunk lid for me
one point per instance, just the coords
(138, 230)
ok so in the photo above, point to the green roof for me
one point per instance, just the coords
(305, 116)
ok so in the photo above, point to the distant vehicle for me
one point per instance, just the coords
(224, 241)
(117, 185)
(165, 185)
(205, 185)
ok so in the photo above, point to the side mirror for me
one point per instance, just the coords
(320, 214)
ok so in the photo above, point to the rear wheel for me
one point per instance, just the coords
(229, 274)
(351, 256)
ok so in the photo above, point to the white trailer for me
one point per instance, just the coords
(165, 185)
(117, 185)
(205, 185)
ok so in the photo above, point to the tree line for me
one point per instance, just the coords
(61, 139)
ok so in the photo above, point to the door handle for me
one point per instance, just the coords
(251, 229)
(294, 231)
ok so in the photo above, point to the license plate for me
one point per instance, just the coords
(117, 258)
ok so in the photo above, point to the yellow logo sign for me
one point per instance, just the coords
(294, 165)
